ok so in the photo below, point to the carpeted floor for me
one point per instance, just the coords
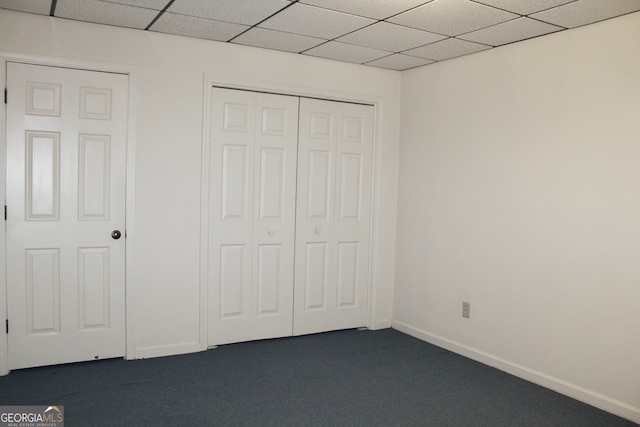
(343, 378)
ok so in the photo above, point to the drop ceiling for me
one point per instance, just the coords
(393, 34)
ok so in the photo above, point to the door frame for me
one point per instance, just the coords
(130, 71)
(283, 88)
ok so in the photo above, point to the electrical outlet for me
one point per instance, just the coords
(466, 310)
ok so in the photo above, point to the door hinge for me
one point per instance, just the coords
(7, 324)
(5, 212)
(5, 95)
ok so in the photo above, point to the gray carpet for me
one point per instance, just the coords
(344, 378)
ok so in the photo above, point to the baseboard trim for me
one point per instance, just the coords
(589, 397)
(380, 324)
(167, 350)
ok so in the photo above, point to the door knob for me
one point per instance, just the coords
(318, 230)
(271, 232)
(115, 234)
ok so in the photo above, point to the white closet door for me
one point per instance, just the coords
(66, 156)
(252, 215)
(335, 151)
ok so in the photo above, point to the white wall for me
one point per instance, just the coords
(519, 192)
(169, 104)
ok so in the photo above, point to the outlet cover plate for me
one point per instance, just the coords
(466, 310)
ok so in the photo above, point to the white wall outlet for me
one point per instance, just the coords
(466, 310)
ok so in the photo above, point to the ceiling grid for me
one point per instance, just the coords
(393, 34)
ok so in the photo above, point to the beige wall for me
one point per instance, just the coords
(519, 192)
(170, 72)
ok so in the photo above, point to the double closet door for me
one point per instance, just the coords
(289, 215)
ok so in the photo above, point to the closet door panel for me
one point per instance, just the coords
(335, 149)
(314, 261)
(253, 151)
(319, 191)
(348, 272)
(231, 207)
(234, 286)
(270, 268)
(353, 213)
(315, 276)
(350, 182)
(272, 183)
(274, 215)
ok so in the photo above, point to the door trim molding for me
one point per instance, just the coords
(284, 88)
(131, 72)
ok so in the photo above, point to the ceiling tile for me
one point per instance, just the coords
(376, 9)
(248, 12)
(452, 17)
(315, 22)
(148, 4)
(41, 7)
(447, 49)
(524, 7)
(346, 52)
(393, 34)
(270, 39)
(399, 62)
(105, 13)
(391, 37)
(191, 26)
(583, 12)
(511, 31)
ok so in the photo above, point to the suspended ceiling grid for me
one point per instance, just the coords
(393, 34)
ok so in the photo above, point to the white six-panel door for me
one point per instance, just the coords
(252, 215)
(66, 164)
(335, 151)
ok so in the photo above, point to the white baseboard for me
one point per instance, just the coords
(167, 350)
(380, 324)
(589, 397)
